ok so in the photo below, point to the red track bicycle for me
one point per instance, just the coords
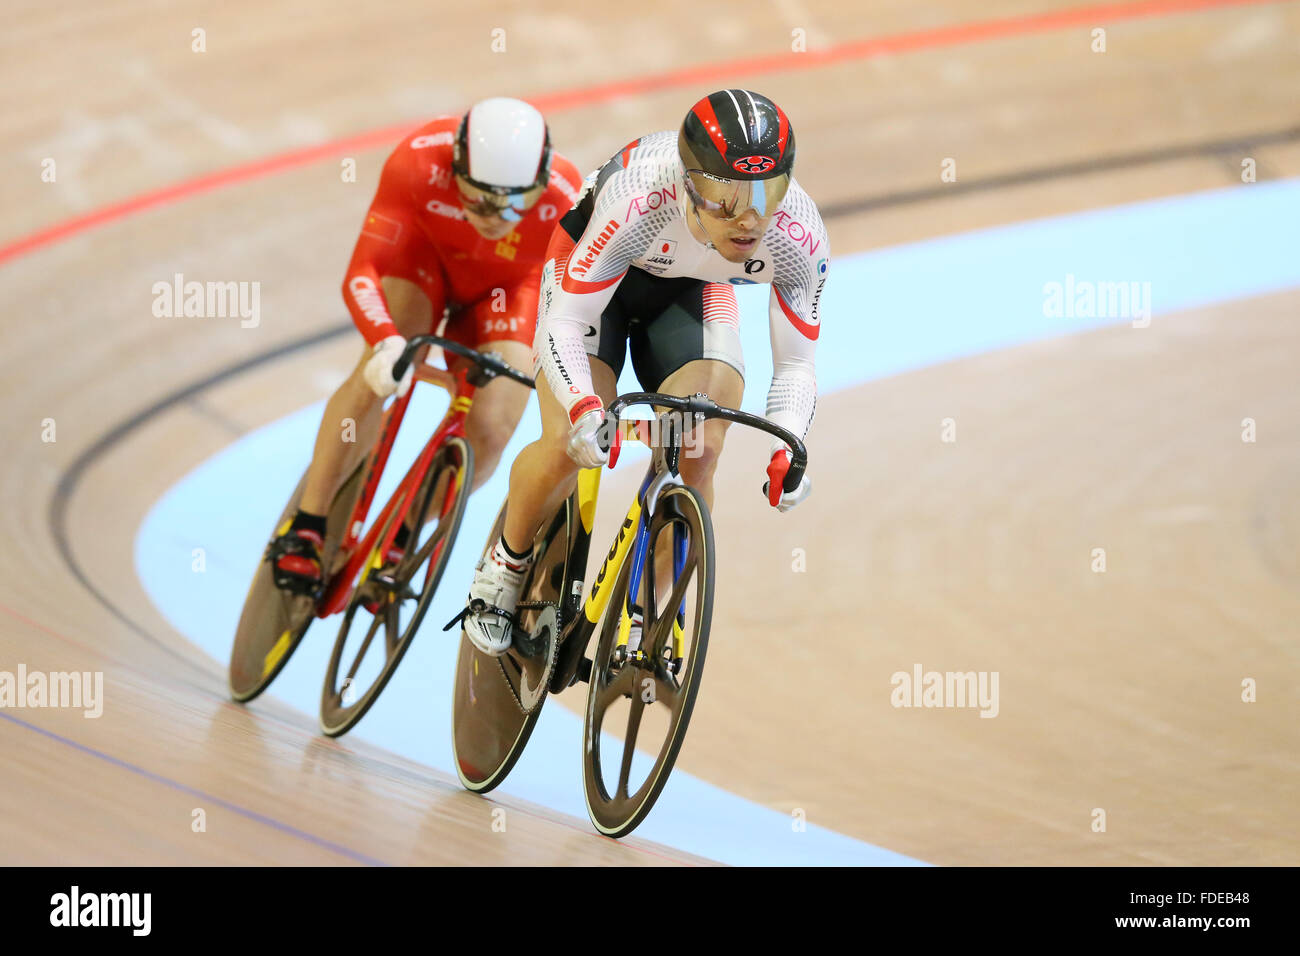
(383, 598)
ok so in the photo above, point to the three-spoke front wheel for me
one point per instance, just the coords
(640, 697)
(391, 599)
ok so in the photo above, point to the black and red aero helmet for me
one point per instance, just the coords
(737, 134)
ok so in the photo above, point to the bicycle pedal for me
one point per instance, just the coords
(460, 616)
(584, 672)
(296, 587)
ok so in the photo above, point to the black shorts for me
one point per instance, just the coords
(662, 320)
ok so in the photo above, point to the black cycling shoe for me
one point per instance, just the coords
(295, 561)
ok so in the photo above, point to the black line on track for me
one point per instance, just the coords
(1099, 164)
(57, 515)
(72, 475)
(203, 408)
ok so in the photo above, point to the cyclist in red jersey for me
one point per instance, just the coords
(459, 226)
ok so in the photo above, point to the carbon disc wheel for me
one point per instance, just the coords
(496, 701)
(273, 622)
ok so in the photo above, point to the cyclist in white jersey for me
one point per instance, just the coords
(649, 257)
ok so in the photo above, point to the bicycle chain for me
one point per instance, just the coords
(529, 606)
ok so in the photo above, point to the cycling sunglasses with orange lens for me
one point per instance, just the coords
(510, 205)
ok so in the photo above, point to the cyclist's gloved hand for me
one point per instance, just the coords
(584, 448)
(781, 500)
(379, 370)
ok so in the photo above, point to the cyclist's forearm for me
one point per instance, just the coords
(792, 397)
(564, 361)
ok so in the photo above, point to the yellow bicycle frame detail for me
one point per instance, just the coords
(588, 486)
(625, 631)
(613, 564)
(624, 626)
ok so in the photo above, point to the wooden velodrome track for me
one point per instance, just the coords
(1120, 691)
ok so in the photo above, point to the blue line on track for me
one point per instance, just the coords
(200, 794)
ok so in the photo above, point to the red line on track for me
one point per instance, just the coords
(706, 73)
(871, 47)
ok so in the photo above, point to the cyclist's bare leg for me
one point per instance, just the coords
(699, 457)
(497, 408)
(723, 384)
(350, 425)
(543, 474)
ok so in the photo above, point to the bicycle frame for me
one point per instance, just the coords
(633, 538)
(338, 590)
(634, 535)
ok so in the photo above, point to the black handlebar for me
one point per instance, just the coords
(699, 404)
(489, 363)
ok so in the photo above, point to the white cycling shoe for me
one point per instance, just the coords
(490, 608)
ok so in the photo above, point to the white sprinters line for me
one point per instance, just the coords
(186, 110)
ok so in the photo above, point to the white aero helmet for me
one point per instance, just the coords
(502, 158)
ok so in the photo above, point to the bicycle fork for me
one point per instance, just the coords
(627, 647)
(625, 639)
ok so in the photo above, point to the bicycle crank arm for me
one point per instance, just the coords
(572, 663)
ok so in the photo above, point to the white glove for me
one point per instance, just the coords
(379, 370)
(583, 446)
(776, 471)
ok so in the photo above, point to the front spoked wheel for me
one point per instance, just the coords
(391, 599)
(641, 692)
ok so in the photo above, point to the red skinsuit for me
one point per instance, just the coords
(416, 230)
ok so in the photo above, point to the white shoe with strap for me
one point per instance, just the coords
(490, 608)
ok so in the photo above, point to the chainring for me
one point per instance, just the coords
(536, 653)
